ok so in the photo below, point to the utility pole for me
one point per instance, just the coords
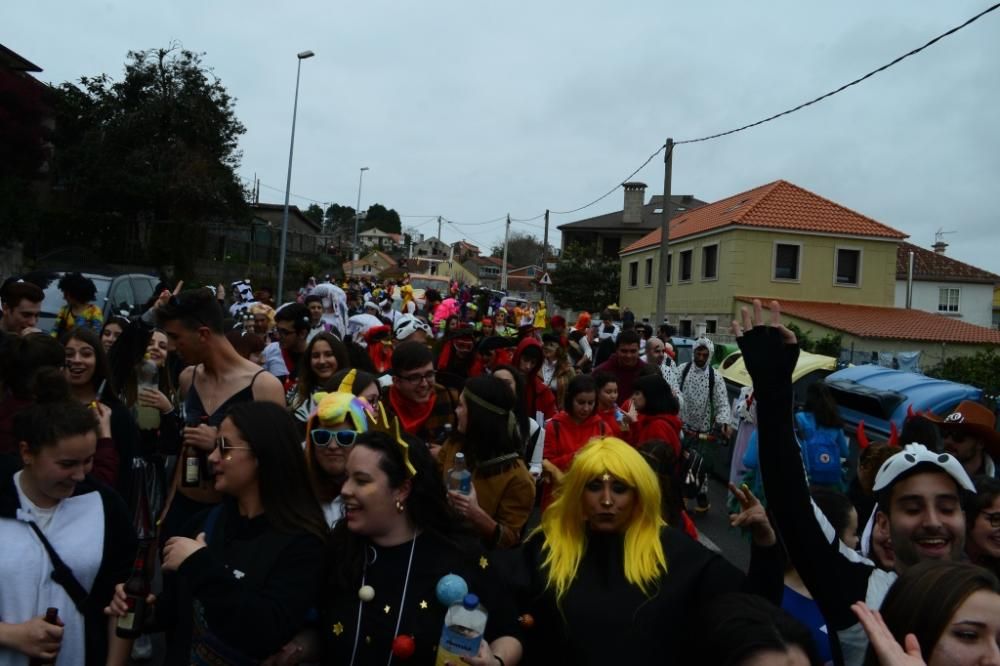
(661, 287)
(545, 255)
(503, 268)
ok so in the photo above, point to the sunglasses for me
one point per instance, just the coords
(223, 445)
(323, 438)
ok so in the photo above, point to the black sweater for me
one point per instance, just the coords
(255, 586)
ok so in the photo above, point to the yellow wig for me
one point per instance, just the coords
(564, 524)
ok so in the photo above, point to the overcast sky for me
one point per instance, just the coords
(472, 110)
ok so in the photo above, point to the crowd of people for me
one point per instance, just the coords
(311, 482)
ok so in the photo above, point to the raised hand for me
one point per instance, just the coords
(770, 351)
(889, 652)
(752, 516)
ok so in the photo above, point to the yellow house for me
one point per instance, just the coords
(775, 241)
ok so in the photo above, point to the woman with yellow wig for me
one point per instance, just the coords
(610, 582)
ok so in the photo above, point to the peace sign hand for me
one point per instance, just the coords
(752, 517)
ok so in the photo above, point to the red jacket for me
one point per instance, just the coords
(666, 427)
(564, 437)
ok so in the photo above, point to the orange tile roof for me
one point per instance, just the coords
(777, 205)
(887, 323)
(930, 265)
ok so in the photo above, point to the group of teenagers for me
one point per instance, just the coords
(318, 523)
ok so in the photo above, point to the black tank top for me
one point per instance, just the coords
(194, 411)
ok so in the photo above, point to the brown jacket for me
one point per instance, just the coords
(507, 496)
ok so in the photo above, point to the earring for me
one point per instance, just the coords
(399, 506)
(229, 457)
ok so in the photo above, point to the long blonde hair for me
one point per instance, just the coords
(564, 525)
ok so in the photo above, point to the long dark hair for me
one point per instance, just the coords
(27, 362)
(308, 382)
(659, 398)
(661, 457)
(124, 358)
(524, 430)
(488, 435)
(925, 597)
(577, 385)
(102, 369)
(286, 494)
(427, 505)
(820, 403)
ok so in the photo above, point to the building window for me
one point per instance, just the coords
(948, 299)
(649, 272)
(685, 275)
(848, 270)
(633, 273)
(710, 262)
(711, 326)
(670, 265)
(786, 261)
(684, 330)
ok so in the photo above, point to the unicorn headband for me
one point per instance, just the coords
(381, 422)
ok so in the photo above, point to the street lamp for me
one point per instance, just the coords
(288, 181)
(357, 211)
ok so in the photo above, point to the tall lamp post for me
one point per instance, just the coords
(288, 181)
(357, 211)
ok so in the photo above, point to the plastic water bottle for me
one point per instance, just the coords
(147, 378)
(464, 626)
(459, 476)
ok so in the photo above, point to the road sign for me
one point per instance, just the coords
(546, 280)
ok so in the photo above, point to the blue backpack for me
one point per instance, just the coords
(820, 451)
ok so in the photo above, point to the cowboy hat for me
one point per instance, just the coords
(971, 418)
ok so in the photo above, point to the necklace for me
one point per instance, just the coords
(361, 602)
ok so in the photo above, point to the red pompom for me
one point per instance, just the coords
(403, 646)
(527, 621)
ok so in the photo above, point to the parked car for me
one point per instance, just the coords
(809, 368)
(880, 396)
(116, 294)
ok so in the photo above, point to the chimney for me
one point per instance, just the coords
(939, 247)
(635, 194)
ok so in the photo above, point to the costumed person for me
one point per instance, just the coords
(613, 415)
(983, 520)
(569, 431)
(532, 432)
(537, 397)
(378, 340)
(502, 493)
(557, 326)
(491, 353)
(579, 344)
(333, 427)
(239, 583)
(324, 356)
(408, 304)
(664, 462)
(316, 323)
(557, 371)
(334, 306)
(79, 311)
(410, 327)
(541, 320)
(402, 561)
(744, 422)
(821, 435)
(602, 564)
(262, 318)
(67, 541)
(423, 406)
(243, 298)
(656, 413)
(500, 326)
(457, 358)
(485, 328)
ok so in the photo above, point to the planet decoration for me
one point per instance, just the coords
(366, 593)
(403, 646)
(451, 589)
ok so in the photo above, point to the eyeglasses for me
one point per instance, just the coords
(285, 331)
(416, 379)
(322, 437)
(223, 445)
(992, 517)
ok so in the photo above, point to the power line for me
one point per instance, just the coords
(847, 85)
(613, 189)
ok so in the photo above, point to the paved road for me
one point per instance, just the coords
(715, 530)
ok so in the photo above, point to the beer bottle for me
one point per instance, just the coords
(52, 617)
(194, 464)
(136, 590)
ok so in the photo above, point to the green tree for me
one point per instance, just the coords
(143, 164)
(385, 219)
(585, 279)
(314, 213)
(981, 371)
(340, 217)
(523, 249)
